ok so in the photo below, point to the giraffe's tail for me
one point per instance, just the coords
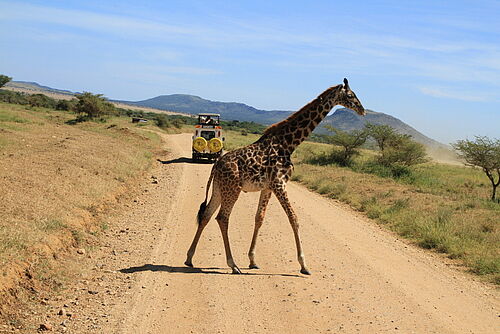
(203, 206)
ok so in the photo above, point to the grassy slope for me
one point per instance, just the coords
(55, 177)
(440, 207)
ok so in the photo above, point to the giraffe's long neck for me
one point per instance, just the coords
(297, 127)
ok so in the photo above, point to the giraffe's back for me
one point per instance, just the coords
(253, 167)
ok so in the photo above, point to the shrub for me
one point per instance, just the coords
(41, 100)
(66, 105)
(92, 106)
(13, 97)
(390, 171)
(178, 122)
(162, 122)
(403, 151)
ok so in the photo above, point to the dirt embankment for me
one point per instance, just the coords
(55, 179)
(364, 279)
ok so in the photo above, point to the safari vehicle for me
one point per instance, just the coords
(208, 139)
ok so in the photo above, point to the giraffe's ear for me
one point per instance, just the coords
(346, 83)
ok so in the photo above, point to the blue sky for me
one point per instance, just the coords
(433, 64)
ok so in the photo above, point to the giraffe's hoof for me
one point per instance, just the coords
(253, 266)
(236, 270)
(305, 271)
(189, 263)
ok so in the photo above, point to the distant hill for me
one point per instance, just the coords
(28, 86)
(348, 120)
(229, 110)
(344, 119)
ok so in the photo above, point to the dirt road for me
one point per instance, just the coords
(363, 278)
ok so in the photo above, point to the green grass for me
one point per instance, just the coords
(234, 139)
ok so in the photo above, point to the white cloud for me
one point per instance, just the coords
(461, 95)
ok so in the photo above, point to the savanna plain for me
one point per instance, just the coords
(96, 218)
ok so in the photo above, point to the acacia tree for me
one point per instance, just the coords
(381, 133)
(93, 105)
(348, 142)
(482, 152)
(4, 79)
(396, 148)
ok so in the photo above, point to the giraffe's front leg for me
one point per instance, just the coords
(280, 192)
(265, 195)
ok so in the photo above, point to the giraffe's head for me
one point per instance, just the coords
(348, 99)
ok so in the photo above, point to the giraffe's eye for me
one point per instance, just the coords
(350, 95)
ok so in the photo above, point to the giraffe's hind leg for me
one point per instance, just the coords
(227, 204)
(265, 195)
(280, 192)
(214, 203)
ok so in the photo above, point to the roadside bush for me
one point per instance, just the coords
(40, 100)
(66, 105)
(92, 106)
(178, 122)
(13, 97)
(162, 122)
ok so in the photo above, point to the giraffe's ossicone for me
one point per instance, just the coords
(266, 166)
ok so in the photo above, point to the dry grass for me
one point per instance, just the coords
(441, 207)
(55, 177)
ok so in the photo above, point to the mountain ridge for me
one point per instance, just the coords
(342, 118)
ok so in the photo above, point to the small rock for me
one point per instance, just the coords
(93, 292)
(62, 311)
(80, 251)
(46, 326)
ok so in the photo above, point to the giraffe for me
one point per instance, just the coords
(266, 166)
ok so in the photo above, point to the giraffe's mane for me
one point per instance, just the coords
(272, 128)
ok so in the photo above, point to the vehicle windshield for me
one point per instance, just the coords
(208, 119)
